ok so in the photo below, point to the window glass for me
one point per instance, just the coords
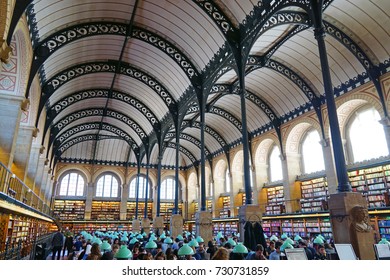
(72, 184)
(313, 159)
(275, 165)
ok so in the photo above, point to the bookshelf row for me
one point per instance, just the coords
(195, 207)
(15, 228)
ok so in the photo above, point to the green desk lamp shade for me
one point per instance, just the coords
(185, 250)
(240, 248)
(273, 238)
(199, 239)
(231, 242)
(318, 240)
(151, 245)
(265, 236)
(286, 245)
(162, 236)
(168, 240)
(180, 237)
(193, 243)
(152, 238)
(124, 239)
(384, 241)
(98, 241)
(289, 240)
(284, 236)
(133, 240)
(297, 238)
(105, 246)
(123, 253)
(144, 234)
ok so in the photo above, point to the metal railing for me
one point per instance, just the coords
(13, 187)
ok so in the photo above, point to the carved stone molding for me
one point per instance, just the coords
(5, 51)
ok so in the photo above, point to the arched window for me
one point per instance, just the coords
(141, 189)
(227, 181)
(168, 189)
(367, 136)
(275, 165)
(72, 184)
(312, 156)
(107, 186)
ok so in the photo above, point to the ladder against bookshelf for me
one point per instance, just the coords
(373, 183)
(69, 209)
(275, 200)
(105, 210)
(314, 195)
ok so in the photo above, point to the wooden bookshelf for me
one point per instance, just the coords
(373, 183)
(314, 195)
(166, 209)
(105, 210)
(275, 200)
(225, 212)
(69, 209)
(131, 207)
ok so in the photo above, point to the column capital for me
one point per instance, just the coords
(5, 51)
(385, 121)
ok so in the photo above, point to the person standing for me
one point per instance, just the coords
(57, 242)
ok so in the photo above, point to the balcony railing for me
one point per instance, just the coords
(14, 188)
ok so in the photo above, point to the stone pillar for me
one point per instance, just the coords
(386, 127)
(291, 167)
(261, 179)
(330, 172)
(45, 176)
(145, 224)
(248, 213)
(123, 205)
(158, 224)
(39, 176)
(88, 201)
(204, 225)
(351, 223)
(254, 185)
(10, 113)
(22, 151)
(176, 226)
(32, 166)
(136, 225)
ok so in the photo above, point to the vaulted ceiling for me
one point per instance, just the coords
(115, 75)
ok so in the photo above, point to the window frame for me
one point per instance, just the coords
(173, 189)
(302, 161)
(274, 146)
(107, 197)
(134, 179)
(62, 177)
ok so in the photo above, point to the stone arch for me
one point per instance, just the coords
(6, 11)
(107, 169)
(66, 168)
(192, 187)
(219, 177)
(238, 171)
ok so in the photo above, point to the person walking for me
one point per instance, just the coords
(57, 243)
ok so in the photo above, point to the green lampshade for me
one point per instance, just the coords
(265, 236)
(286, 245)
(124, 239)
(284, 236)
(162, 236)
(289, 240)
(240, 248)
(88, 237)
(144, 234)
(231, 242)
(168, 240)
(193, 243)
(98, 241)
(219, 235)
(320, 236)
(180, 237)
(152, 238)
(199, 239)
(151, 245)
(185, 250)
(297, 238)
(105, 246)
(273, 238)
(318, 240)
(123, 253)
(125, 233)
(384, 241)
(139, 236)
(133, 240)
